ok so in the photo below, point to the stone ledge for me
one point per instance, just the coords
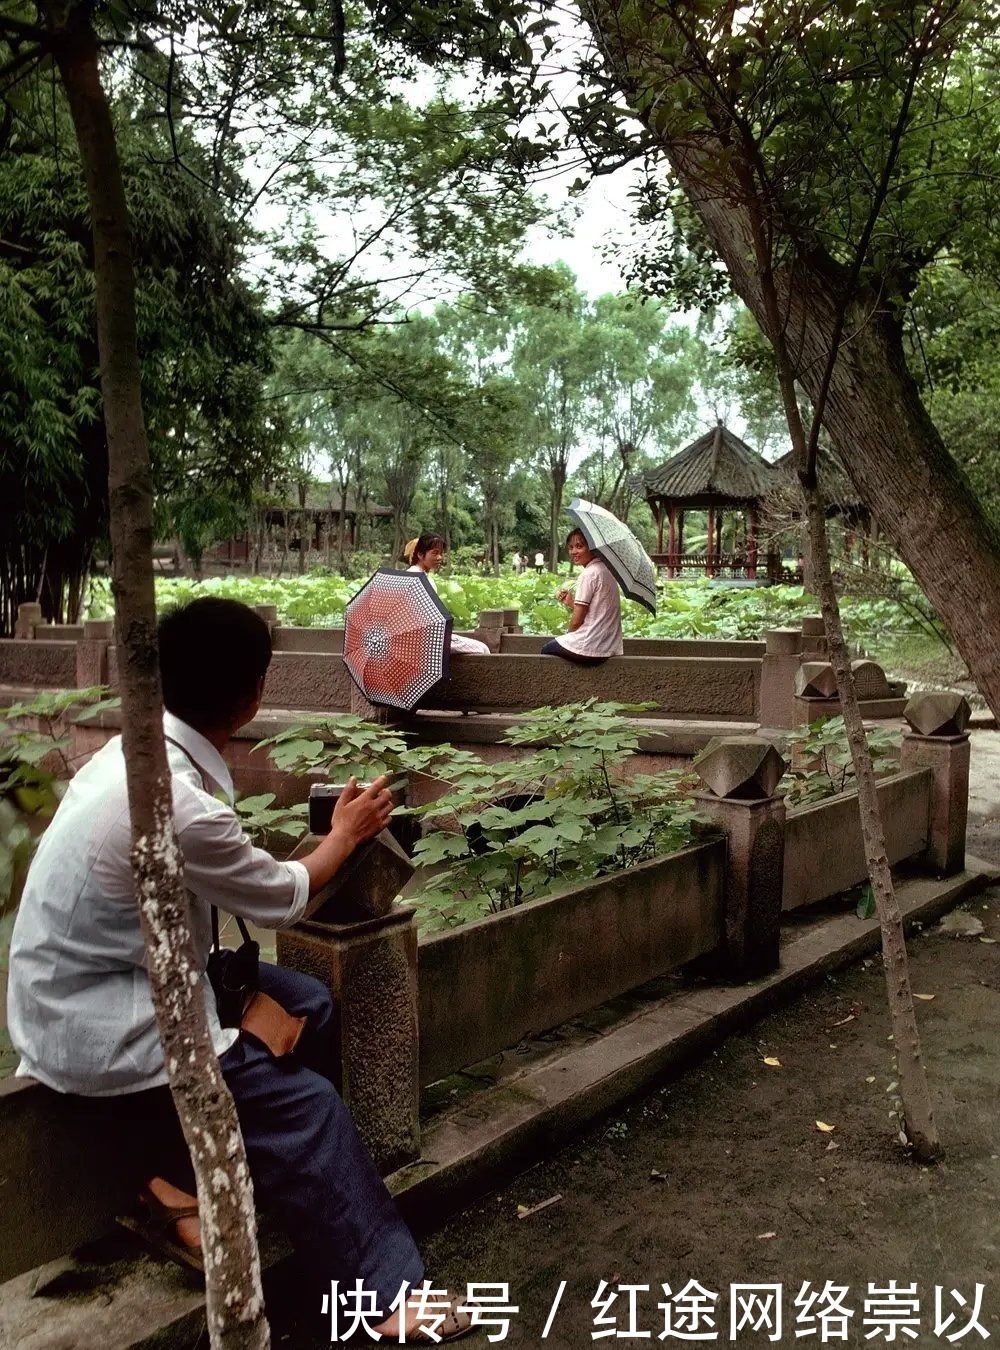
(139, 1304)
(499, 1130)
(109, 1297)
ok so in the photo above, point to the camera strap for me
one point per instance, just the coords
(244, 931)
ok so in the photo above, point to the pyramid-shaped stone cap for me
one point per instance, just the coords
(938, 714)
(740, 766)
(815, 679)
(367, 883)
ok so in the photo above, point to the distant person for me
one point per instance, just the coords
(595, 627)
(539, 562)
(518, 563)
(426, 555)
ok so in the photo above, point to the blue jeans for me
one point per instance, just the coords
(310, 1169)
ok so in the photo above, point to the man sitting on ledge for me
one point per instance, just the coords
(80, 1011)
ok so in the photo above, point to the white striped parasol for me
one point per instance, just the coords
(616, 544)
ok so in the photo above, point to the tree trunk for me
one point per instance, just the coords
(874, 414)
(342, 531)
(558, 477)
(918, 1115)
(445, 526)
(208, 1117)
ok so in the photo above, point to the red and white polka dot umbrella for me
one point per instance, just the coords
(397, 638)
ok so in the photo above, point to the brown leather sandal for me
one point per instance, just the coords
(455, 1325)
(156, 1226)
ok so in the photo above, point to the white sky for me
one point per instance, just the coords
(603, 218)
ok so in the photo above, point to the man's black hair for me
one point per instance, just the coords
(213, 654)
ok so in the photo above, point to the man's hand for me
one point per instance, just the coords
(357, 817)
(360, 815)
(565, 596)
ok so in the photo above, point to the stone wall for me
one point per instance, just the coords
(38, 665)
(679, 687)
(486, 985)
(824, 854)
(526, 644)
(702, 680)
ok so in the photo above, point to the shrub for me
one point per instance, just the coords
(505, 832)
(823, 765)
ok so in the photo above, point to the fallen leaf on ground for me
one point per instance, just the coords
(925, 997)
(762, 1236)
(824, 1128)
(844, 1020)
(960, 924)
(870, 1078)
(832, 1145)
(990, 940)
(656, 1176)
(525, 1211)
(773, 1062)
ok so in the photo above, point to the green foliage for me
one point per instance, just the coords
(566, 813)
(685, 609)
(201, 329)
(261, 819)
(338, 746)
(823, 756)
(504, 832)
(34, 769)
(866, 907)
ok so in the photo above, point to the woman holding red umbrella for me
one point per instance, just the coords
(426, 554)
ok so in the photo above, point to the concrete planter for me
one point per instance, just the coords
(824, 851)
(486, 985)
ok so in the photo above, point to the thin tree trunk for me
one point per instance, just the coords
(207, 1115)
(918, 1113)
(342, 533)
(558, 475)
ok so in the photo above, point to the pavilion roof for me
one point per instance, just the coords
(717, 464)
(836, 486)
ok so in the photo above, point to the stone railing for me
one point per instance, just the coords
(777, 684)
(411, 1012)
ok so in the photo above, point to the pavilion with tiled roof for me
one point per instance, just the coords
(841, 496)
(716, 473)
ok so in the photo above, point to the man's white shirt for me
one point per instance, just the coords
(79, 1008)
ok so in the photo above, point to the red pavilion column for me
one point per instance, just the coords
(671, 571)
(752, 545)
(659, 528)
(709, 566)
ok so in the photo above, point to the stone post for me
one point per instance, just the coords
(364, 949)
(269, 613)
(816, 695)
(741, 773)
(938, 741)
(782, 658)
(512, 621)
(28, 615)
(814, 644)
(370, 968)
(92, 653)
(491, 627)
